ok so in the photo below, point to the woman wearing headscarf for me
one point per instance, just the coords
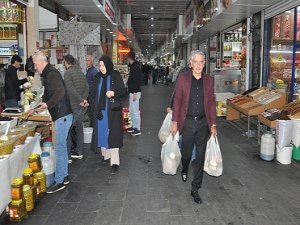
(108, 86)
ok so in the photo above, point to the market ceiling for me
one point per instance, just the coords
(151, 20)
(163, 15)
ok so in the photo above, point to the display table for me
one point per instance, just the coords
(250, 107)
(12, 166)
(39, 118)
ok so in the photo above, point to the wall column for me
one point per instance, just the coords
(32, 29)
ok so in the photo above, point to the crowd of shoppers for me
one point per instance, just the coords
(102, 91)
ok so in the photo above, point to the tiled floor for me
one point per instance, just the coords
(250, 191)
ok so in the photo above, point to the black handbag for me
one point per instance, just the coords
(115, 105)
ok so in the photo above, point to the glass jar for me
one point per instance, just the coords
(36, 189)
(34, 162)
(28, 195)
(17, 189)
(28, 176)
(41, 177)
(17, 210)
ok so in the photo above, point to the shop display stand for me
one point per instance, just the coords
(35, 118)
(262, 120)
(251, 108)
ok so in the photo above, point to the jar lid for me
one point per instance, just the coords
(33, 156)
(39, 173)
(16, 202)
(27, 171)
(26, 187)
(45, 154)
(47, 144)
(17, 181)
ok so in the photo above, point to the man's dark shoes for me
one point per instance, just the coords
(114, 169)
(130, 129)
(75, 155)
(136, 132)
(196, 197)
(184, 176)
(55, 187)
(66, 180)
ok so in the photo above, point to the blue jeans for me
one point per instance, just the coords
(134, 109)
(75, 136)
(62, 127)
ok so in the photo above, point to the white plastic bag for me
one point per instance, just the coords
(170, 155)
(213, 164)
(164, 131)
(284, 130)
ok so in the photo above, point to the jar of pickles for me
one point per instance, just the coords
(34, 162)
(28, 176)
(17, 189)
(17, 210)
(28, 195)
(41, 177)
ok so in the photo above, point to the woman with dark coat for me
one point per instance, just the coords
(108, 86)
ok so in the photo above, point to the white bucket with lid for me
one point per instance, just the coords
(284, 155)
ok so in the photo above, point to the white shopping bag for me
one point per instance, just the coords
(164, 131)
(213, 164)
(170, 155)
(284, 132)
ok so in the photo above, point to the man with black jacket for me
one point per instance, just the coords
(55, 99)
(134, 89)
(12, 83)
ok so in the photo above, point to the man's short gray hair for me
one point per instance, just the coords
(196, 52)
(39, 55)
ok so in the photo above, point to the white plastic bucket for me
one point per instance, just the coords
(284, 155)
(267, 147)
(87, 134)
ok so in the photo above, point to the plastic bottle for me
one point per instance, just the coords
(267, 147)
(48, 168)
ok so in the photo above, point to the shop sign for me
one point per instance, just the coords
(124, 50)
(109, 11)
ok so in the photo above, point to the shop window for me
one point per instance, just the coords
(281, 50)
(232, 49)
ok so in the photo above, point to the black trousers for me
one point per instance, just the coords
(194, 132)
